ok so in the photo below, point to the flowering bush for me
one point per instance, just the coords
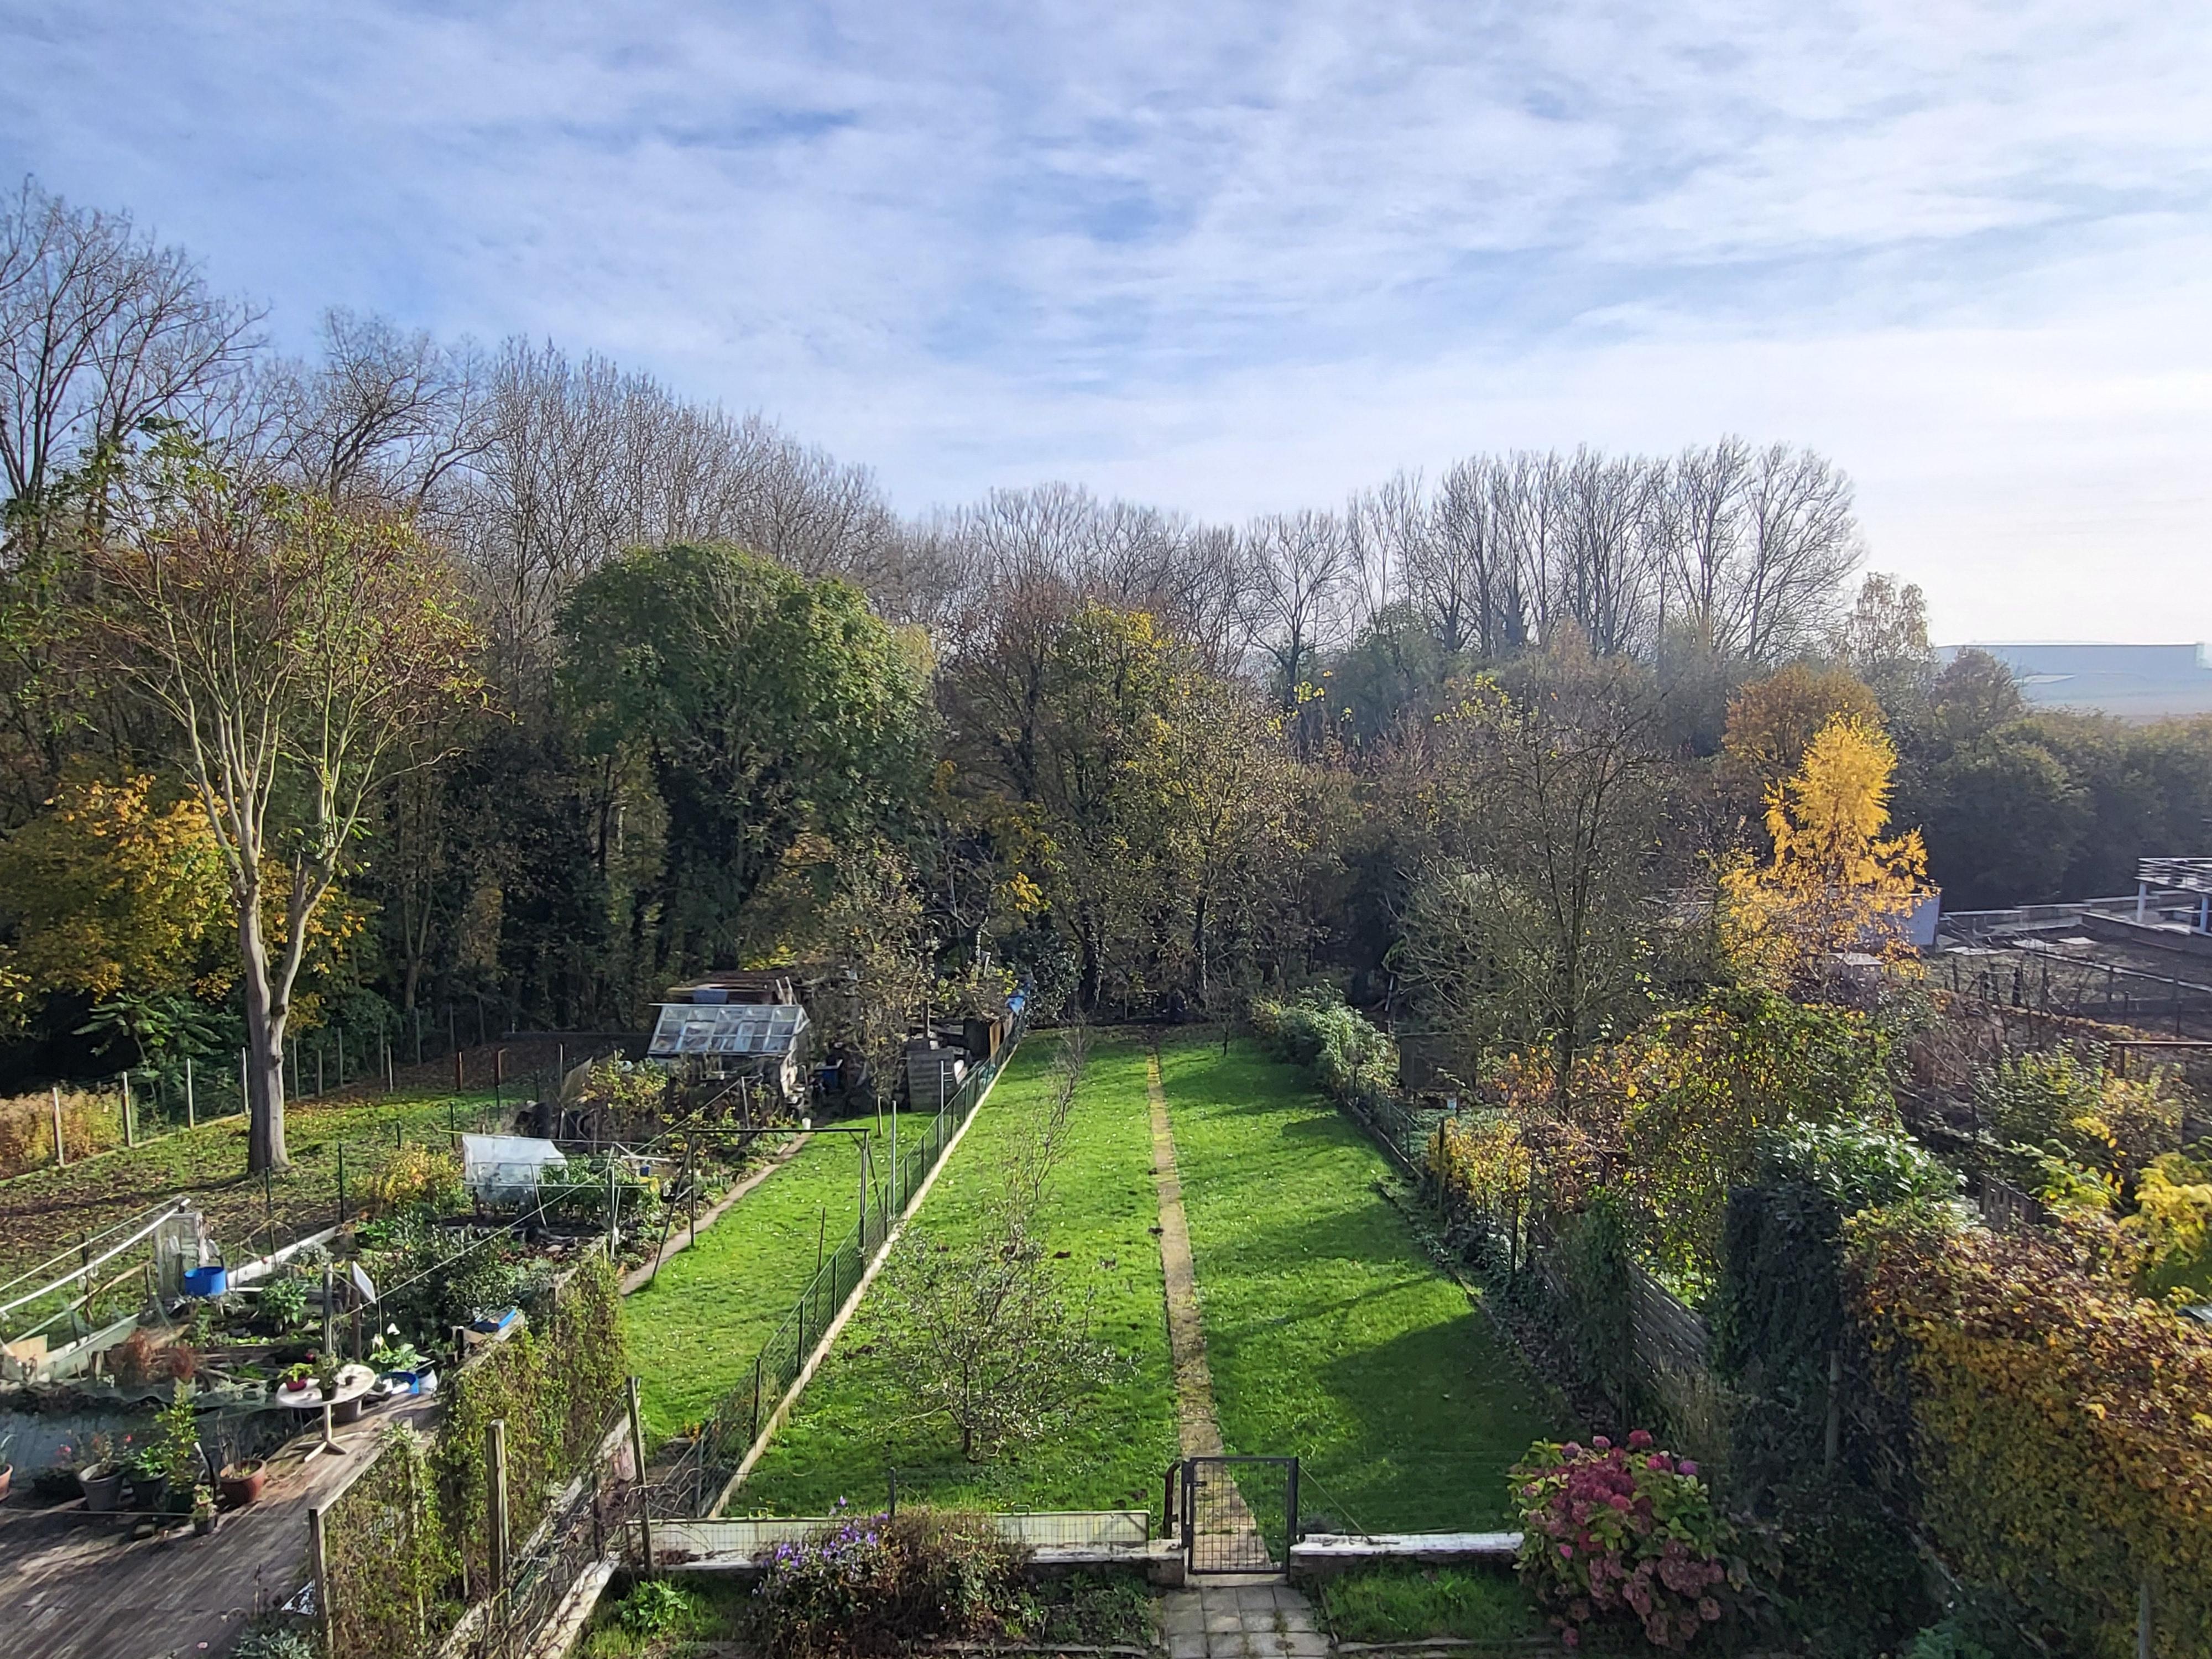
(878, 1585)
(1609, 1530)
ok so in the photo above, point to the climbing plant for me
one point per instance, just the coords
(386, 1566)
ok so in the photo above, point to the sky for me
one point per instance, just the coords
(1243, 256)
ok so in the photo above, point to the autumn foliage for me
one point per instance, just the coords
(1835, 883)
(2061, 1443)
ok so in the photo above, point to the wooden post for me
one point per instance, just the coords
(391, 1075)
(192, 1111)
(1831, 1440)
(637, 1451)
(495, 1492)
(61, 1152)
(130, 1131)
(318, 1560)
(460, 1078)
(342, 1203)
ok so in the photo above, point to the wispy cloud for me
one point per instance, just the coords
(1243, 255)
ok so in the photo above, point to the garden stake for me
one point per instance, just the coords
(129, 1137)
(61, 1153)
(340, 1183)
(192, 1112)
(495, 1495)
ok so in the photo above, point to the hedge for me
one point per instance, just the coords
(2062, 1445)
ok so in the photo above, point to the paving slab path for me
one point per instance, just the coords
(1242, 1618)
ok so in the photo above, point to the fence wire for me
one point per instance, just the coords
(692, 1486)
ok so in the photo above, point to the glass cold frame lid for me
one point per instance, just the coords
(729, 1028)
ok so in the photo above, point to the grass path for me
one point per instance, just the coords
(849, 1431)
(693, 1332)
(1330, 1332)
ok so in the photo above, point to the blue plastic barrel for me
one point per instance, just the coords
(206, 1281)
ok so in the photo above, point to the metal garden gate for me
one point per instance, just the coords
(1237, 1514)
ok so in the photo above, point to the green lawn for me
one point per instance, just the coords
(693, 1332)
(849, 1431)
(1330, 1332)
(1409, 1603)
(46, 1210)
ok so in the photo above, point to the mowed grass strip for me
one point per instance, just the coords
(44, 1211)
(693, 1332)
(853, 1426)
(1330, 1333)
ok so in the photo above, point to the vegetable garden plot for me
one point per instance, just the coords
(1330, 1332)
(856, 1424)
(694, 1331)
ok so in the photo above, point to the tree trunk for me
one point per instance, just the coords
(265, 1018)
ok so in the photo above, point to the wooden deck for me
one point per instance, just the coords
(74, 1585)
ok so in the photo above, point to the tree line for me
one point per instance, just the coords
(420, 669)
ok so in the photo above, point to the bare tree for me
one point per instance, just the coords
(101, 330)
(984, 1337)
(295, 647)
(1301, 569)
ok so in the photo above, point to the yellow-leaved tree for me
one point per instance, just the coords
(1835, 882)
(112, 892)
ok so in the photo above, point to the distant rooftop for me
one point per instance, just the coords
(2134, 682)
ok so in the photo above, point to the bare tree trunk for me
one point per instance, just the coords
(265, 1018)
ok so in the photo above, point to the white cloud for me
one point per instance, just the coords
(1228, 257)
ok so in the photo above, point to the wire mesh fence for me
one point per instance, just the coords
(718, 1446)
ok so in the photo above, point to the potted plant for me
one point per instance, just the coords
(241, 1483)
(172, 1459)
(100, 1478)
(294, 1379)
(145, 1472)
(203, 1511)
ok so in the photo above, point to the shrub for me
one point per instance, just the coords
(655, 1607)
(2173, 1222)
(284, 1302)
(2059, 1436)
(274, 1641)
(415, 1175)
(1316, 1029)
(2058, 1102)
(90, 1123)
(1624, 1532)
(878, 1584)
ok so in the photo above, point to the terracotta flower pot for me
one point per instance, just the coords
(241, 1484)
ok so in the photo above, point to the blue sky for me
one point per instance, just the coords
(1241, 257)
